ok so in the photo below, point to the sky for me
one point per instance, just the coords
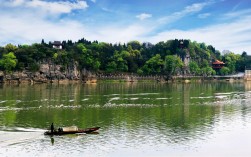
(225, 24)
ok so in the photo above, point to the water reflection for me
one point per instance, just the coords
(52, 141)
(135, 116)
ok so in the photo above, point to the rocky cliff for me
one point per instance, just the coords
(48, 72)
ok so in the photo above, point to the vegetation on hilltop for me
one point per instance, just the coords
(164, 58)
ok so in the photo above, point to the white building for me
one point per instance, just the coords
(57, 45)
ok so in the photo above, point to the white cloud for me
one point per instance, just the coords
(237, 14)
(54, 7)
(231, 35)
(30, 29)
(94, 1)
(107, 10)
(117, 33)
(29, 26)
(17, 2)
(203, 16)
(194, 8)
(29, 21)
(144, 16)
(234, 36)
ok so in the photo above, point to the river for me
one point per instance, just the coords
(136, 119)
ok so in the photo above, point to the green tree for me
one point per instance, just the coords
(171, 64)
(140, 72)
(243, 62)
(111, 67)
(204, 63)
(194, 68)
(10, 48)
(132, 60)
(8, 62)
(224, 71)
(231, 60)
(154, 65)
(34, 67)
(86, 58)
(207, 71)
(120, 59)
(134, 44)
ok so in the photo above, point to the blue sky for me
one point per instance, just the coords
(225, 24)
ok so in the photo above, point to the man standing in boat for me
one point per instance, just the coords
(52, 128)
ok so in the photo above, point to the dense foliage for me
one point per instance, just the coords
(168, 58)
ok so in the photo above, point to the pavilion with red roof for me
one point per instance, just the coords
(218, 64)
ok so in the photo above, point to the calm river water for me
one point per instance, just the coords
(136, 119)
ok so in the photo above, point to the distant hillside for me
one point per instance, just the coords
(167, 58)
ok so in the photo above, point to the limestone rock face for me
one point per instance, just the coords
(48, 72)
(44, 68)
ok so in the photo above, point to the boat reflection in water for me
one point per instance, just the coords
(52, 141)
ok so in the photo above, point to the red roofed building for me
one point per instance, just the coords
(218, 64)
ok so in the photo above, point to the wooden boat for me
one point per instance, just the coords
(71, 130)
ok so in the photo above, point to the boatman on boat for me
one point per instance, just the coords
(52, 128)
